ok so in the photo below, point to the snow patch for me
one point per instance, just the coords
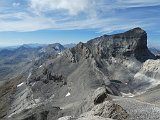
(11, 115)
(52, 96)
(60, 53)
(57, 47)
(68, 94)
(33, 84)
(29, 75)
(40, 66)
(65, 118)
(127, 94)
(20, 84)
(37, 100)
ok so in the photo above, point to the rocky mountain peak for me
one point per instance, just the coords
(132, 43)
(137, 30)
(80, 51)
(56, 46)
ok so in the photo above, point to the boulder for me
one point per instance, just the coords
(101, 106)
(109, 109)
(100, 95)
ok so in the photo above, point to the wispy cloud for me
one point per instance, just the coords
(138, 3)
(16, 4)
(71, 6)
(23, 22)
(102, 15)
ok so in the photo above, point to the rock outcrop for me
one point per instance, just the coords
(100, 95)
(148, 76)
(109, 109)
(103, 109)
(132, 43)
(104, 106)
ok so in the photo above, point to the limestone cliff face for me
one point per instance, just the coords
(148, 76)
(132, 43)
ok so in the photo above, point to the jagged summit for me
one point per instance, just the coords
(132, 32)
(132, 43)
(137, 30)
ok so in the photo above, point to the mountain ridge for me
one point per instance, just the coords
(67, 80)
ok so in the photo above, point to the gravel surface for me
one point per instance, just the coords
(152, 96)
(139, 110)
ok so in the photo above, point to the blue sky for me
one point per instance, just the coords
(71, 21)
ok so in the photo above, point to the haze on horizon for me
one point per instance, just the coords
(71, 21)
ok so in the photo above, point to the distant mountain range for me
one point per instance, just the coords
(35, 45)
(17, 59)
(69, 45)
(155, 51)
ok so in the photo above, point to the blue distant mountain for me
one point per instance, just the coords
(35, 45)
(155, 51)
(69, 45)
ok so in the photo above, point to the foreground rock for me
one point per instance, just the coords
(100, 107)
(100, 95)
(107, 109)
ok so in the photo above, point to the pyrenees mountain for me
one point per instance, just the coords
(155, 51)
(14, 62)
(71, 45)
(107, 78)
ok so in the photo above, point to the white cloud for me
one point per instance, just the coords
(24, 22)
(137, 3)
(73, 7)
(16, 4)
(144, 2)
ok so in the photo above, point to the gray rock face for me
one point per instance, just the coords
(100, 95)
(80, 51)
(148, 76)
(132, 43)
(48, 52)
(103, 107)
(108, 109)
